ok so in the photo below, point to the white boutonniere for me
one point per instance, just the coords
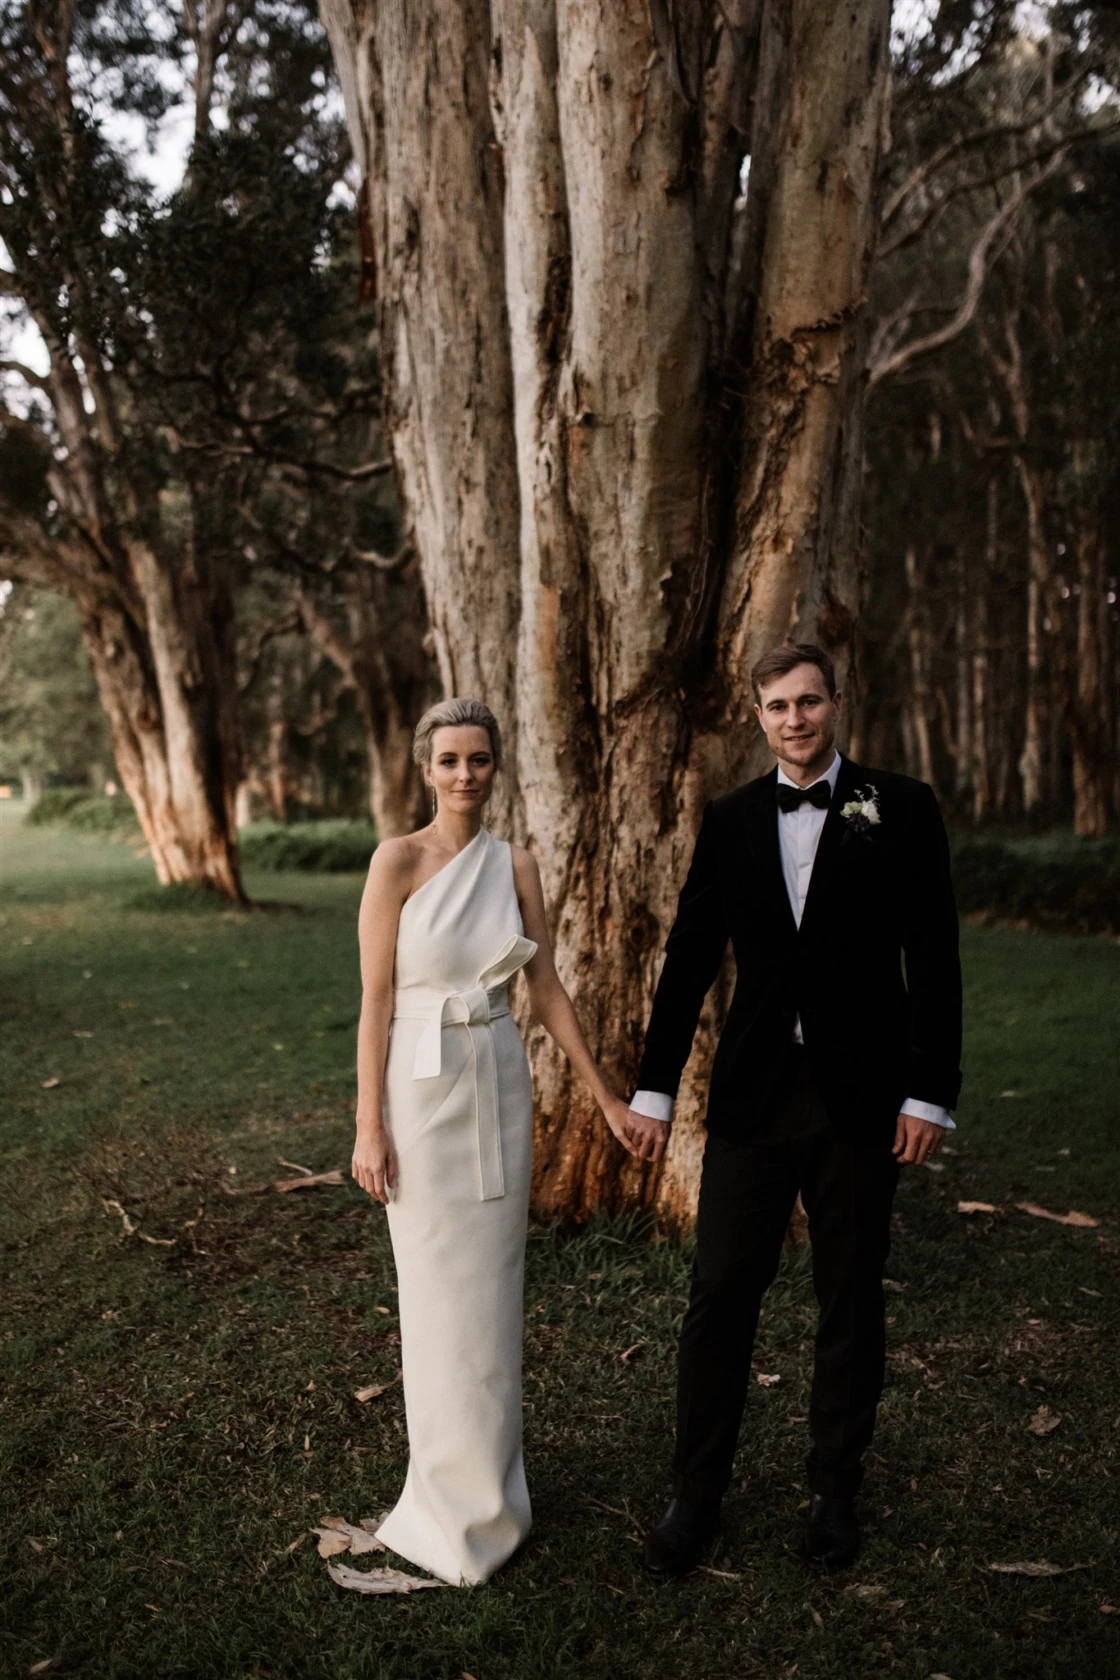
(862, 813)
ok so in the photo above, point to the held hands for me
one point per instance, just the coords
(644, 1138)
(374, 1165)
(916, 1140)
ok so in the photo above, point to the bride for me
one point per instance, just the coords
(444, 1139)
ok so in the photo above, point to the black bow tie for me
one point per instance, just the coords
(789, 798)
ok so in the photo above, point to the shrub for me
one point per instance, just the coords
(88, 813)
(55, 805)
(331, 847)
(1062, 886)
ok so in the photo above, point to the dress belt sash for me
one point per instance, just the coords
(474, 1008)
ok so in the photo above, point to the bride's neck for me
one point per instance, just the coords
(455, 829)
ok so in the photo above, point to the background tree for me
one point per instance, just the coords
(205, 389)
(991, 631)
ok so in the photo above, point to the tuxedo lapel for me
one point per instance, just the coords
(828, 847)
(762, 829)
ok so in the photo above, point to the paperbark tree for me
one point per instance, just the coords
(626, 409)
(155, 617)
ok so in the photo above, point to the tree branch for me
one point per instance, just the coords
(322, 633)
(983, 255)
(28, 375)
(967, 142)
(278, 627)
(384, 562)
(936, 208)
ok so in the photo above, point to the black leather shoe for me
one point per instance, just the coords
(832, 1537)
(674, 1546)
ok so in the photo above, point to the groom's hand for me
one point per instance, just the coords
(648, 1138)
(916, 1140)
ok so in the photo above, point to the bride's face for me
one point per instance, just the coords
(462, 767)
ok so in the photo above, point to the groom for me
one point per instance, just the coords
(834, 1067)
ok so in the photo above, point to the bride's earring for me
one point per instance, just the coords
(434, 800)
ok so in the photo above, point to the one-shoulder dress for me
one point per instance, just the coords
(458, 1105)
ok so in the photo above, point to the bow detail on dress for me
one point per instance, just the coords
(475, 1008)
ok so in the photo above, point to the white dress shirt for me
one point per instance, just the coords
(799, 834)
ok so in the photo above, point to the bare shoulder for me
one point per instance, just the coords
(395, 861)
(525, 870)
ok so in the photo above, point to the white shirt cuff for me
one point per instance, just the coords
(931, 1112)
(655, 1105)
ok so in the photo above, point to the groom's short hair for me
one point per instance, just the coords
(780, 661)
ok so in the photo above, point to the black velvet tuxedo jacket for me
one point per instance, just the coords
(873, 971)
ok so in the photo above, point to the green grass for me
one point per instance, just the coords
(156, 1400)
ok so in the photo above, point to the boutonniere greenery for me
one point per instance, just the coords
(862, 813)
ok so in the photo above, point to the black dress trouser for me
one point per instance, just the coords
(747, 1193)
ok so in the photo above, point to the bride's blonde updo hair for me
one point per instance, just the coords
(453, 714)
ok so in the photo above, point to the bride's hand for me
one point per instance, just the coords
(643, 1138)
(374, 1165)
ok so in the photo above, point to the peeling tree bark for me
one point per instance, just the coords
(626, 411)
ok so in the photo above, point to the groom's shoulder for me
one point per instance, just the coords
(743, 798)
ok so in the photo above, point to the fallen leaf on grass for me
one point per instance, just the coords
(1044, 1421)
(1084, 1221)
(934, 1166)
(78, 1034)
(976, 1207)
(308, 1172)
(865, 1591)
(331, 1543)
(720, 1574)
(631, 1352)
(283, 1184)
(374, 1391)
(358, 1538)
(377, 1580)
(43, 1667)
(51, 1084)
(767, 1378)
(1040, 1571)
(1108, 1610)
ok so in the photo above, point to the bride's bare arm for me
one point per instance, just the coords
(552, 1006)
(374, 1164)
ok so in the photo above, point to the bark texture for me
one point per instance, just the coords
(625, 403)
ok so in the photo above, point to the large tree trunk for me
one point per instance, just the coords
(634, 463)
(415, 82)
(165, 673)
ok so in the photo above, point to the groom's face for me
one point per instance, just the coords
(799, 718)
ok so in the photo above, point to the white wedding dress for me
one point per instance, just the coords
(459, 1111)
